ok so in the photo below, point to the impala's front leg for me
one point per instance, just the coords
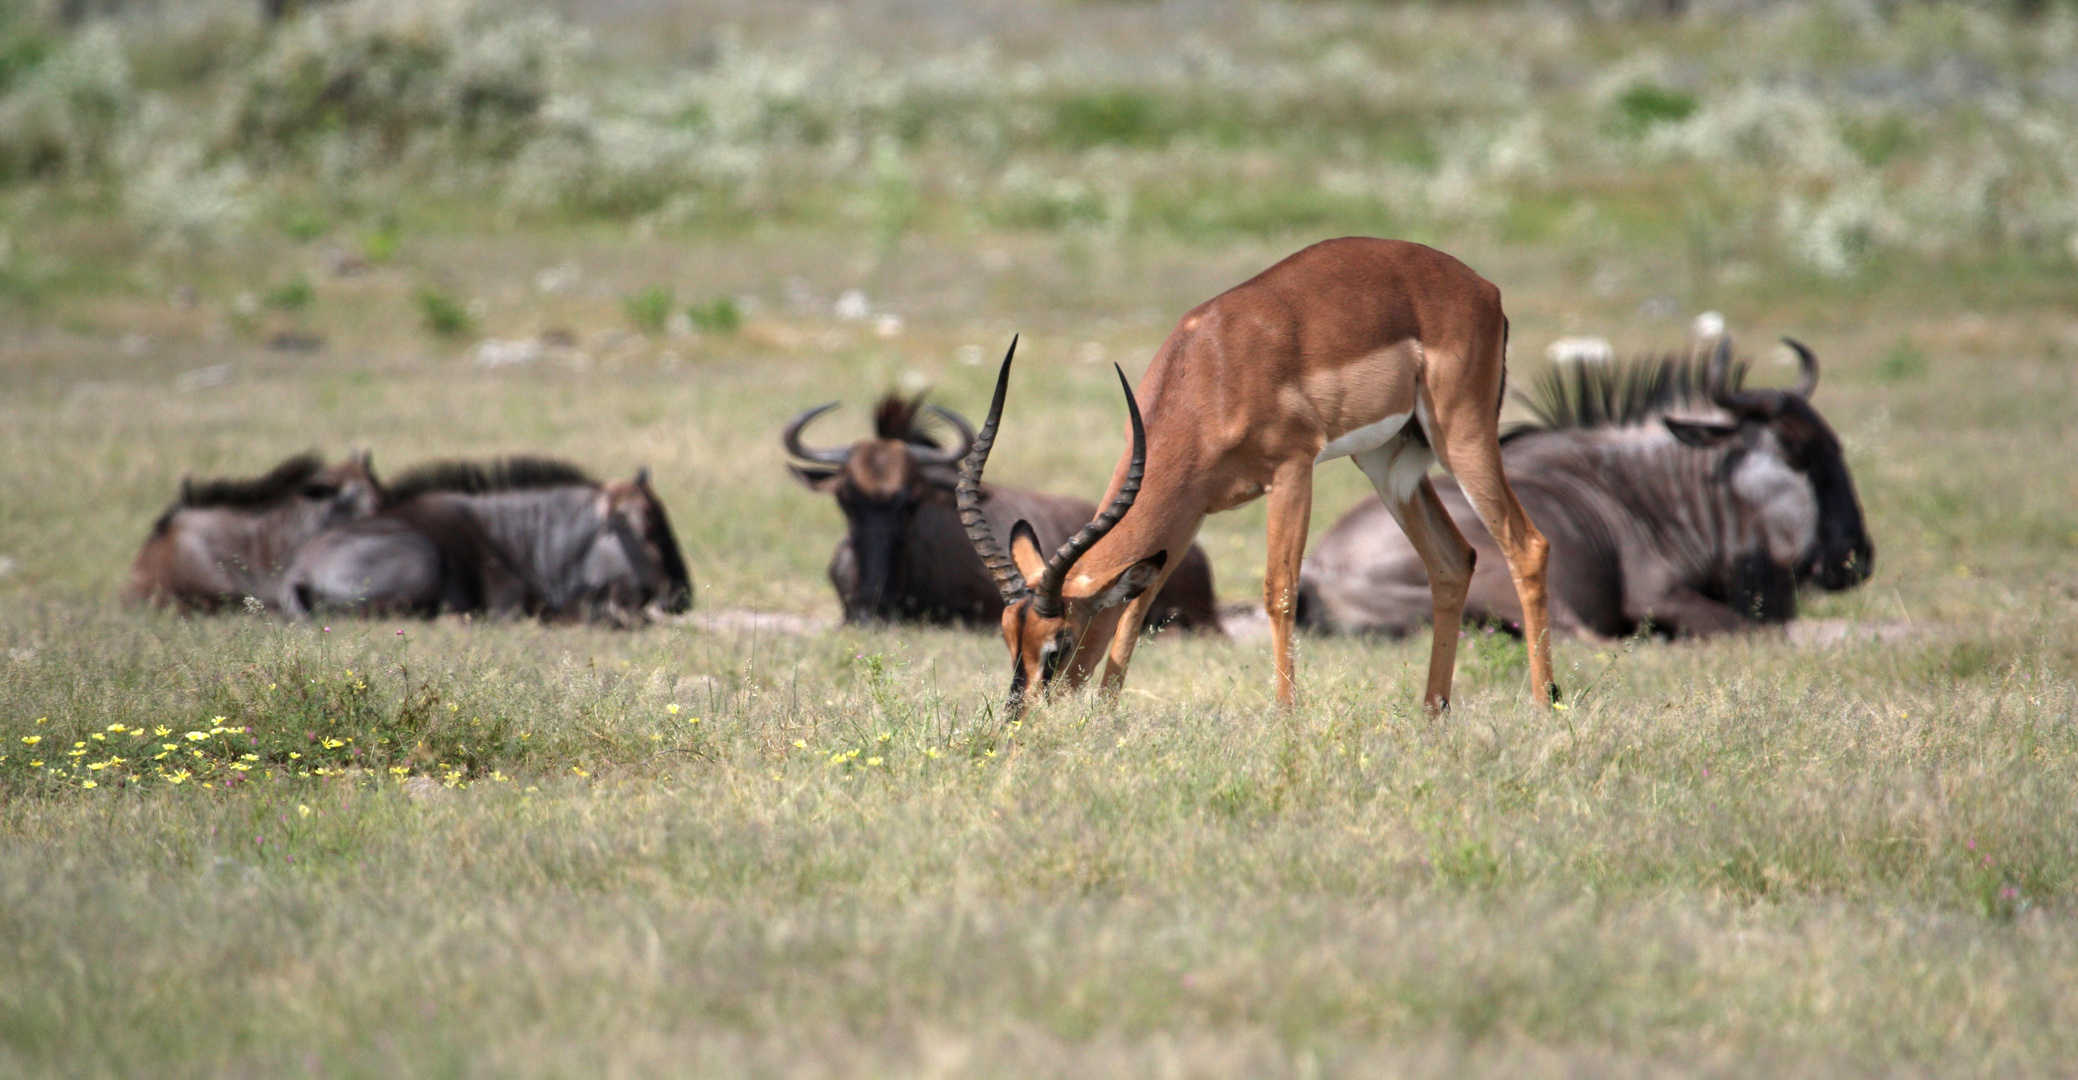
(1127, 634)
(1291, 507)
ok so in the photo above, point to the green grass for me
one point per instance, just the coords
(452, 848)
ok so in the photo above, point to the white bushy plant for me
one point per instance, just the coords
(63, 117)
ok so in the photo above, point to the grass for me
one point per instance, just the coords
(430, 849)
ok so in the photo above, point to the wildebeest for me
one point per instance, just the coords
(517, 535)
(1689, 526)
(223, 541)
(905, 555)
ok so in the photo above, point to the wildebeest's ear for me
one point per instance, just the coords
(1024, 551)
(1131, 582)
(366, 459)
(814, 477)
(1700, 434)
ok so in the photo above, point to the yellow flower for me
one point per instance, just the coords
(117, 728)
(874, 760)
(333, 744)
(398, 770)
(169, 746)
(89, 784)
(294, 755)
(197, 736)
(672, 709)
(162, 731)
(248, 757)
(579, 771)
(179, 777)
(302, 810)
(36, 764)
(32, 740)
(98, 737)
(241, 766)
(43, 719)
(800, 744)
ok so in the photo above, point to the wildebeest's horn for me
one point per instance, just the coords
(1008, 581)
(1807, 368)
(1717, 376)
(642, 476)
(928, 456)
(1047, 601)
(791, 437)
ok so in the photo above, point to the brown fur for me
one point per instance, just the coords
(1249, 389)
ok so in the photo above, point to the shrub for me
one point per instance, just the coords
(443, 314)
(649, 309)
(717, 316)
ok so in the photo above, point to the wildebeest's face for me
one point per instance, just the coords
(1786, 464)
(637, 562)
(879, 483)
(344, 491)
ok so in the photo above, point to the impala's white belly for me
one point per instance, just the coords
(1364, 439)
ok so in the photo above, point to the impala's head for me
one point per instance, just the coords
(1047, 618)
(1784, 461)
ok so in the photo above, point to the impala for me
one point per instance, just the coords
(1382, 351)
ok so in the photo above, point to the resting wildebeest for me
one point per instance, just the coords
(223, 541)
(517, 535)
(905, 555)
(1690, 526)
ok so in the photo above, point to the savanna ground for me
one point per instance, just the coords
(630, 233)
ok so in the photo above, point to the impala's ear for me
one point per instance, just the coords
(1131, 582)
(1024, 551)
(814, 477)
(1699, 434)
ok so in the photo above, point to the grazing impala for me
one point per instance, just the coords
(1382, 351)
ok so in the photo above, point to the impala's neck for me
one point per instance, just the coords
(1164, 517)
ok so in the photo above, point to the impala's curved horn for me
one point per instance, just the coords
(1008, 581)
(1047, 599)
(928, 456)
(1807, 369)
(791, 437)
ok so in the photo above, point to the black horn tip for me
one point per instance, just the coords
(1807, 367)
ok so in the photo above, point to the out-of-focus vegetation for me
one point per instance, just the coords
(1839, 134)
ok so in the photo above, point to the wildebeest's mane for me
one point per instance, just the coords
(901, 419)
(280, 481)
(484, 478)
(1582, 397)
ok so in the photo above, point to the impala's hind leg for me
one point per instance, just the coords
(1472, 453)
(1399, 472)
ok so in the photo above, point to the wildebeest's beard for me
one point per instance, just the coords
(879, 537)
(1843, 555)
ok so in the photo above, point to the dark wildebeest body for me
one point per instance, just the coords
(519, 535)
(905, 555)
(224, 541)
(1690, 527)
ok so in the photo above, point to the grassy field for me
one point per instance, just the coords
(632, 236)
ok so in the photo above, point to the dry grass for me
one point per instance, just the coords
(1845, 853)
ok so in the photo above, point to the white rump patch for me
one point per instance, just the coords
(1364, 439)
(1396, 469)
